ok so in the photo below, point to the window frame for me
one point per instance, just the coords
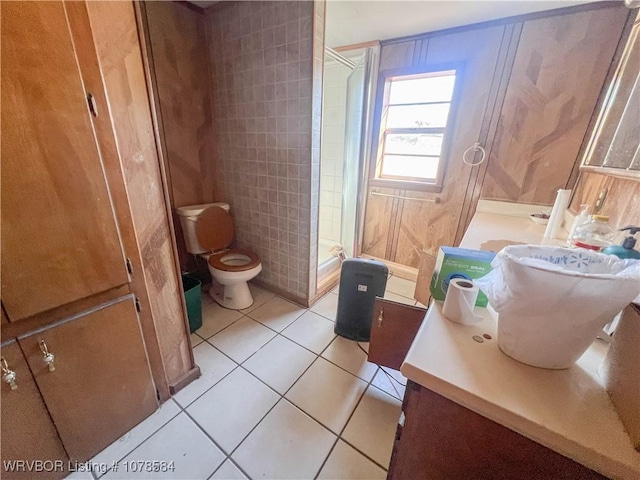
(380, 133)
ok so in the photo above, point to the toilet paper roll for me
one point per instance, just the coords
(460, 300)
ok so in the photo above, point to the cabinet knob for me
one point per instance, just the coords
(47, 356)
(8, 375)
(380, 317)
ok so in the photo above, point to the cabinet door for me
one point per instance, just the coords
(60, 242)
(101, 386)
(443, 440)
(27, 430)
(393, 328)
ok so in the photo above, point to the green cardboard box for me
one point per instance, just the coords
(453, 262)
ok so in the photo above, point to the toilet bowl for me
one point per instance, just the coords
(209, 230)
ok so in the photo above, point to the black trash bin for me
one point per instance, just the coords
(361, 281)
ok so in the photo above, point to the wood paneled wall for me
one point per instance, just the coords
(400, 227)
(545, 116)
(117, 44)
(622, 203)
(178, 53)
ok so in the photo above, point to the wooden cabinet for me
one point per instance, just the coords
(441, 439)
(68, 287)
(60, 240)
(101, 386)
(614, 147)
(393, 328)
(437, 438)
(28, 433)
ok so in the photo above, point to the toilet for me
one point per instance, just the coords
(208, 231)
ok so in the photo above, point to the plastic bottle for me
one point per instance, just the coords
(594, 235)
(625, 250)
(580, 219)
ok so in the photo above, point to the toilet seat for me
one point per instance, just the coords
(214, 230)
(235, 260)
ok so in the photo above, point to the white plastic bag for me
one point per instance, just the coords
(553, 301)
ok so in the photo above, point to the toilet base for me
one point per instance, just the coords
(234, 297)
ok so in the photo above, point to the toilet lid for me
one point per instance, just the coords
(214, 229)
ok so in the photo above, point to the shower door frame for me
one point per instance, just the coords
(329, 279)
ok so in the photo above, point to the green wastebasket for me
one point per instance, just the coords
(191, 287)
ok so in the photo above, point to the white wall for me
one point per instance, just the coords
(332, 151)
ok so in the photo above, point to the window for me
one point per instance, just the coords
(413, 123)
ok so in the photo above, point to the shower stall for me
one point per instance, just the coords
(347, 100)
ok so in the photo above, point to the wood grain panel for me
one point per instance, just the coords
(443, 440)
(397, 55)
(109, 381)
(92, 77)
(424, 226)
(393, 328)
(179, 48)
(622, 203)
(60, 241)
(28, 433)
(116, 40)
(560, 67)
(377, 223)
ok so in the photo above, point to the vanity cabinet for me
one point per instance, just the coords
(100, 385)
(614, 147)
(27, 430)
(438, 438)
(441, 439)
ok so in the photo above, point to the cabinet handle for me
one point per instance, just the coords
(46, 356)
(380, 317)
(8, 375)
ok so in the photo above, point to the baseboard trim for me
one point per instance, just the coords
(278, 291)
(402, 271)
(184, 380)
(327, 284)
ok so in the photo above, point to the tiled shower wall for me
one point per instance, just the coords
(263, 85)
(333, 123)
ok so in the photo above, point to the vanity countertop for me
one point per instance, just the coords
(568, 410)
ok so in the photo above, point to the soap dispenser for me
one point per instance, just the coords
(626, 249)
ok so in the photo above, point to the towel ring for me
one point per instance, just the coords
(474, 148)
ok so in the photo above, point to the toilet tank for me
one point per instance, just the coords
(188, 217)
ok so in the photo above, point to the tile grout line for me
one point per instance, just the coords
(143, 441)
(238, 365)
(281, 396)
(338, 436)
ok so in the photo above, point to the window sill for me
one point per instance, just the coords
(404, 185)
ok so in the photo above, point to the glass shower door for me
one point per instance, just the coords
(353, 175)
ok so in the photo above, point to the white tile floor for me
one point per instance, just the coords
(280, 396)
